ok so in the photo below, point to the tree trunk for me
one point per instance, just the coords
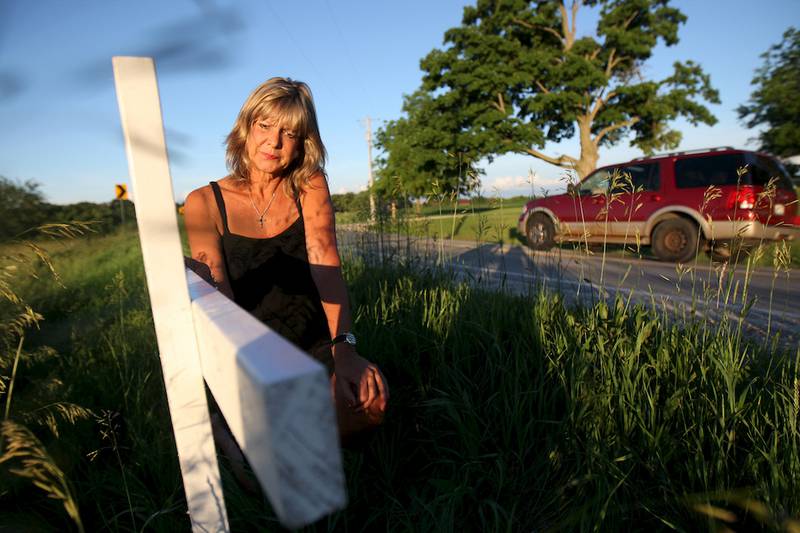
(589, 154)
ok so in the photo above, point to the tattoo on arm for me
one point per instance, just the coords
(202, 257)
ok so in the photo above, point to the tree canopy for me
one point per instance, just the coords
(517, 74)
(427, 147)
(775, 102)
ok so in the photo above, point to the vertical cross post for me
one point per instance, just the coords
(140, 111)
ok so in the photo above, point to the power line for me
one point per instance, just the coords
(300, 50)
(356, 73)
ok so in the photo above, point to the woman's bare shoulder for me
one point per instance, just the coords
(318, 179)
(199, 196)
(317, 186)
(205, 194)
(201, 200)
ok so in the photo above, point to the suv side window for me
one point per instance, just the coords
(643, 177)
(763, 169)
(704, 171)
(596, 183)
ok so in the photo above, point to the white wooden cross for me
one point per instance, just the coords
(275, 398)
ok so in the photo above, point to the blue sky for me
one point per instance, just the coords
(59, 122)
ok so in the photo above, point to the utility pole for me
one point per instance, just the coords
(368, 124)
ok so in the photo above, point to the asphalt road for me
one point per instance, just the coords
(765, 300)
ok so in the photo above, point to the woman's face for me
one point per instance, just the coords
(271, 148)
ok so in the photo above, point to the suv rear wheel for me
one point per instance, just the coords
(675, 239)
(540, 232)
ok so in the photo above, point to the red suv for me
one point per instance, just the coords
(677, 203)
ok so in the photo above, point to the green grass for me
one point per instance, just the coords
(508, 413)
(434, 210)
(493, 225)
(435, 207)
(525, 415)
(486, 221)
(96, 349)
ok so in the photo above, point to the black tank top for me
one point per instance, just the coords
(271, 279)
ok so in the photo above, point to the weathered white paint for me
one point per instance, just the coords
(140, 111)
(277, 403)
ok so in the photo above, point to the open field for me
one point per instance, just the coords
(509, 412)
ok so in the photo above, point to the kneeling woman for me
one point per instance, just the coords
(267, 233)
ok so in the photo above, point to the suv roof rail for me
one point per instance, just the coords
(685, 152)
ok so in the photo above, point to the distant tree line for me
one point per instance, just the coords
(22, 207)
(351, 202)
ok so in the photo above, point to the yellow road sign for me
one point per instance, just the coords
(121, 191)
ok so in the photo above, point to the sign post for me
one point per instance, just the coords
(121, 192)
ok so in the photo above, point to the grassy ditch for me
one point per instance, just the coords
(508, 412)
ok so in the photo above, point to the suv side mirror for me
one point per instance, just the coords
(572, 190)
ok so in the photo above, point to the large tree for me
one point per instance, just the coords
(775, 102)
(517, 75)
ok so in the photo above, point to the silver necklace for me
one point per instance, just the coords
(261, 214)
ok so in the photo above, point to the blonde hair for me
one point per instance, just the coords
(291, 105)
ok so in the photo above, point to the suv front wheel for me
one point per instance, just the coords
(540, 232)
(675, 239)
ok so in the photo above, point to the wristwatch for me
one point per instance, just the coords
(348, 338)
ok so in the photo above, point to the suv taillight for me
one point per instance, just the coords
(743, 198)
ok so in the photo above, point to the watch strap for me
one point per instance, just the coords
(348, 338)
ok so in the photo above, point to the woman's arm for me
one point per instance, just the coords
(205, 240)
(354, 373)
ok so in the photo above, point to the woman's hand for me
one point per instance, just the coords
(360, 382)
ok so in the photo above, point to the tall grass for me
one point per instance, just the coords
(519, 413)
(656, 401)
(89, 388)
(509, 412)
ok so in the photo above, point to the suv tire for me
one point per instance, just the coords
(675, 239)
(540, 232)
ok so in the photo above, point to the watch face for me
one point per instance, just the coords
(350, 339)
